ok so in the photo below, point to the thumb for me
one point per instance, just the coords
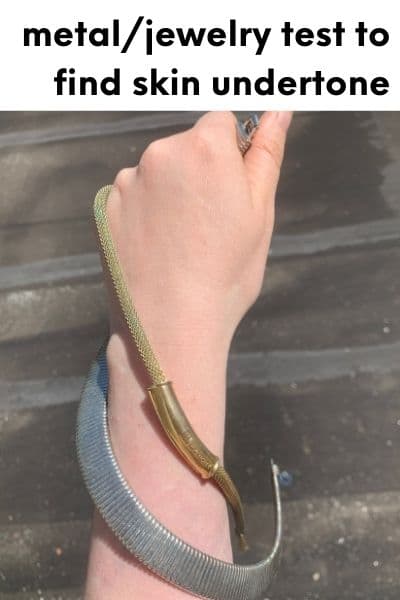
(264, 158)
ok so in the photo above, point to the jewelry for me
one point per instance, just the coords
(136, 528)
(245, 132)
(139, 531)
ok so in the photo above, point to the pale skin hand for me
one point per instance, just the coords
(192, 224)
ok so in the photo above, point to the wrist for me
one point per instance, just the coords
(193, 358)
(196, 364)
(190, 341)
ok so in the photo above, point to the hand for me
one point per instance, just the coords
(194, 222)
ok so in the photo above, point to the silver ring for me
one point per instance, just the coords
(245, 132)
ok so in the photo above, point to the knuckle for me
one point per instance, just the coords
(215, 119)
(123, 178)
(153, 154)
(226, 118)
(204, 143)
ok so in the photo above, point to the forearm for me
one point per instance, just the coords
(192, 350)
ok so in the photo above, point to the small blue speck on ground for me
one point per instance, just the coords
(285, 479)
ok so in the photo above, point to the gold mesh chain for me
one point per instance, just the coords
(131, 316)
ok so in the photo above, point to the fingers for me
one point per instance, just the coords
(264, 158)
(219, 129)
(215, 137)
(217, 120)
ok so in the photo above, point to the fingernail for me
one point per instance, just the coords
(284, 119)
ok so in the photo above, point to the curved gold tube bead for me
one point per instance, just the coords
(182, 435)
